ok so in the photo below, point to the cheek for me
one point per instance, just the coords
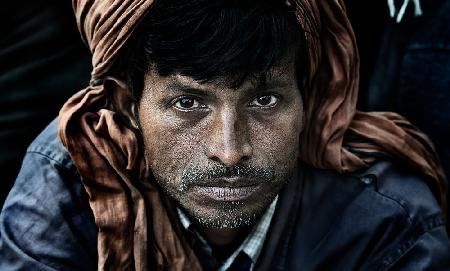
(277, 139)
(168, 144)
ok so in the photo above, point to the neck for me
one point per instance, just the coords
(224, 241)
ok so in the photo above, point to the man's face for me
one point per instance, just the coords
(222, 154)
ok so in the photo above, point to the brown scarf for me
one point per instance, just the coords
(105, 147)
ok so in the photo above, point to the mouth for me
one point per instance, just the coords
(227, 190)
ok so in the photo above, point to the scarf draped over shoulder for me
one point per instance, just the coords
(106, 148)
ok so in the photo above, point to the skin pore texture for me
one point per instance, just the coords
(222, 153)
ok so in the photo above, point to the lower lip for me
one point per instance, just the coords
(227, 193)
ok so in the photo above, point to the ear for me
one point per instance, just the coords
(119, 96)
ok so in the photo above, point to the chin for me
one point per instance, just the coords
(228, 214)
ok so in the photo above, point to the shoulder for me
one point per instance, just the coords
(47, 174)
(401, 189)
(380, 218)
(47, 169)
(385, 189)
(47, 144)
(46, 218)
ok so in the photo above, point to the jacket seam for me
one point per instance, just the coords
(397, 202)
(50, 157)
(426, 225)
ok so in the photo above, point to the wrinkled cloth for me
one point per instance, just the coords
(105, 147)
(385, 217)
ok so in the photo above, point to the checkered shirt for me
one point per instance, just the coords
(251, 246)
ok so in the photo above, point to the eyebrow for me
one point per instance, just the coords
(177, 86)
(269, 84)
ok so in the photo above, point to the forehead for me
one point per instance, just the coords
(282, 74)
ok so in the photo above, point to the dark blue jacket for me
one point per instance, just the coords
(384, 218)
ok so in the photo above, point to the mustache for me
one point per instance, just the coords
(211, 175)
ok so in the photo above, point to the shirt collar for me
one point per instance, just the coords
(252, 244)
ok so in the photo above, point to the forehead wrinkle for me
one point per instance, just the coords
(176, 86)
(187, 81)
(179, 83)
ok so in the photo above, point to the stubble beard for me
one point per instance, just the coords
(225, 214)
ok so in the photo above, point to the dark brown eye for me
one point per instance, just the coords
(187, 103)
(265, 101)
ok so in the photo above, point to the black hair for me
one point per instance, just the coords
(210, 40)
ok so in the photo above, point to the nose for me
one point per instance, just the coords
(229, 138)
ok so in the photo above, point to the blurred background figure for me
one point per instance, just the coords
(42, 63)
(405, 63)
